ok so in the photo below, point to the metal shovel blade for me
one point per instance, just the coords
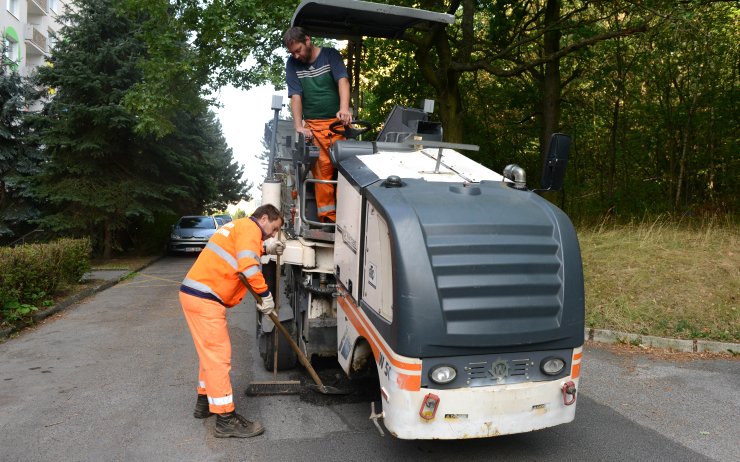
(327, 390)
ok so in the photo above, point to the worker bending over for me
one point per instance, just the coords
(210, 287)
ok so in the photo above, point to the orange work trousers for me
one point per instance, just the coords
(207, 322)
(323, 169)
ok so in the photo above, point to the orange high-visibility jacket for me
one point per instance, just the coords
(235, 247)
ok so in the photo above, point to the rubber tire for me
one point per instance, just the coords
(287, 359)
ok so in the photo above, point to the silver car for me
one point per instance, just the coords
(191, 233)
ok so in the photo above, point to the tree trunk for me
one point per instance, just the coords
(450, 111)
(551, 84)
(107, 240)
(684, 150)
(612, 171)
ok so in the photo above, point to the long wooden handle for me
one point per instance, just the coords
(301, 357)
(277, 307)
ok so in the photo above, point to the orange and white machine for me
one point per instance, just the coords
(458, 286)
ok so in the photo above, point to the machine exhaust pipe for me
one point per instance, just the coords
(516, 174)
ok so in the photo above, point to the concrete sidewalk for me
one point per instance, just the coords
(104, 278)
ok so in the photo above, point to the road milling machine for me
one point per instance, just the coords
(460, 287)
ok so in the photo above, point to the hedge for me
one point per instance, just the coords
(31, 274)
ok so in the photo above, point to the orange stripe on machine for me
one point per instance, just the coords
(575, 370)
(408, 370)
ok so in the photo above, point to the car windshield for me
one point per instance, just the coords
(197, 222)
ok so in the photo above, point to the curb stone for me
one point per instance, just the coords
(38, 317)
(688, 346)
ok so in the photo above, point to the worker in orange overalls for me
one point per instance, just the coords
(210, 287)
(318, 88)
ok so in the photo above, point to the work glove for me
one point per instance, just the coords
(267, 306)
(274, 247)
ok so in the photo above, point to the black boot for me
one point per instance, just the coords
(201, 408)
(234, 425)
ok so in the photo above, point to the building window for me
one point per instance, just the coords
(51, 43)
(11, 49)
(13, 6)
(53, 5)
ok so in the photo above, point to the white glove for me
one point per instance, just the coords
(274, 247)
(267, 306)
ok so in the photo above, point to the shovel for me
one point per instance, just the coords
(318, 385)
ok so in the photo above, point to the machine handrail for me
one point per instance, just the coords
(303, 201)
(22, 239)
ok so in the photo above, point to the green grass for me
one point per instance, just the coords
(664, 278)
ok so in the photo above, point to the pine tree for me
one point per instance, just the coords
(20, 158)
(102, 173)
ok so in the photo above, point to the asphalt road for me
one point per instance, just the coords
(113, 379)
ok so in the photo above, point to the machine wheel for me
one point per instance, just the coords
(349, 132)
(287, 358)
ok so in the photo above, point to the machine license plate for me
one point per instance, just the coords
(193, 249)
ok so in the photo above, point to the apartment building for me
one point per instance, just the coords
(27, 27)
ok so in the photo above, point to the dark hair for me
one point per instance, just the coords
(294, 34)
(270, 210)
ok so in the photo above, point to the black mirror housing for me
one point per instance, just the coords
(553, 169)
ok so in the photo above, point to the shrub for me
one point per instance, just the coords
(31, 274)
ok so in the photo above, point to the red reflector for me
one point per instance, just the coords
(429, 406)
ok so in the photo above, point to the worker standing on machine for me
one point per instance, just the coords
(318, 88)
(210, 287)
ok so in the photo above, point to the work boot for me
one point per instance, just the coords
(201, 408)
(234, 425)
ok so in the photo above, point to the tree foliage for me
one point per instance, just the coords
(647, 89)
(20, 157)
(232, 41)
(102, 172)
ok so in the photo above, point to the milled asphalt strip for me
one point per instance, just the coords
(74, 299)
(594, 335)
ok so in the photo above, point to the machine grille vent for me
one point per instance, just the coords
(500, 371)
(497, 280)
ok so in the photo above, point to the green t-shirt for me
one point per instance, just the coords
(316, 83)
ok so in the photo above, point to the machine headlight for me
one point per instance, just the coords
(174, 236)
(552, 366)
(443, 374)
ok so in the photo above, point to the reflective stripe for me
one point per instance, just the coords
(201, 384)
(247, 254)
(251, 271)
(327, 208)
(221, 401)
(200, 286)
(227, 257)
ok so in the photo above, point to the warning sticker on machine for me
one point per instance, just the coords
(372, 275)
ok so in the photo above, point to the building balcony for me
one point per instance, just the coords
(35, 41)
(38, 7)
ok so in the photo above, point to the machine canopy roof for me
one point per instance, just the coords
(348, 19)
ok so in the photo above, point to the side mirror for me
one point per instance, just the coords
(553, 169)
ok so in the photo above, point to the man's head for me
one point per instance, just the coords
(268, 217)
(298, 44)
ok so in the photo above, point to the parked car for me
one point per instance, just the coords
(225, 217)
(191, 233)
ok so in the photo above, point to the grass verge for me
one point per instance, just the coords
(664, 278)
